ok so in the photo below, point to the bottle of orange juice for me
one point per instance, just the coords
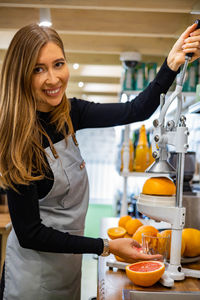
(142, 151)
(131, 155)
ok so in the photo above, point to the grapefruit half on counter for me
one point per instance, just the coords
(145, 273)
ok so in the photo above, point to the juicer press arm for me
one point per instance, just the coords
(172, 132)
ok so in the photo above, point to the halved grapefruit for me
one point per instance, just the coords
(145, 273)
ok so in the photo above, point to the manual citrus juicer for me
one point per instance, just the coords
(174, 133)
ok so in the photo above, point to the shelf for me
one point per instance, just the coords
(188, 102)
(128, 93)
(142, 174)
(134, 92)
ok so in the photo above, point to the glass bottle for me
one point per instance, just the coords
(131, 155)
(142, 151)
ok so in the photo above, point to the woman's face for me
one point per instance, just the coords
(50, 77)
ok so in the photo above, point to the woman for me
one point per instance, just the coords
(42, 168)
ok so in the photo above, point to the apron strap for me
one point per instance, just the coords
(72, 132)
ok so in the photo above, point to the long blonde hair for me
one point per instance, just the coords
(21, 152)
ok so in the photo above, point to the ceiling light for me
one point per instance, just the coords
(75, 66)
(80, 84)
(45, 17)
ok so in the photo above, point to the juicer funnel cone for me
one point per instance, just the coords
(161, 166)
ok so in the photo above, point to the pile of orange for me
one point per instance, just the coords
(127, 226)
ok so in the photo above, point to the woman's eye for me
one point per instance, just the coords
(37, 70)
(59, 64)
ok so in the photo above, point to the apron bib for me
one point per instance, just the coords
(36, 275)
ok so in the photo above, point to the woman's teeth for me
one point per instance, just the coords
(52, 92)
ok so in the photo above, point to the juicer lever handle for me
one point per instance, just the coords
(189, 55)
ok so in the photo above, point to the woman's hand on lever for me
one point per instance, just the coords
(130, 250)
(188, 42)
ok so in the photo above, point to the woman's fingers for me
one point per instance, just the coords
(195, 44)
(189, 31)
(136, 244)
(196, 32)
(144, 256)
(191, 50)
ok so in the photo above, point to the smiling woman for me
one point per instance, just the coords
(43, 171)
(36, 60)
(50, 77)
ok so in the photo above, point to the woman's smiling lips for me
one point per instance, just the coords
(52, 92)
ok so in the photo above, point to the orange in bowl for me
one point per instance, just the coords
(159, 186)
(116, 232)
(145, 273)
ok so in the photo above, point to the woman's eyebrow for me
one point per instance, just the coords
(55, 61)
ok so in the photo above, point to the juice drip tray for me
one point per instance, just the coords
(161, 295)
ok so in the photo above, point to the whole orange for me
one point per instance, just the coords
(123, 220)
(132, 225)
(191, 237)
(144, 229)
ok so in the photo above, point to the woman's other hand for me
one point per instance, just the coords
(188, 42)
(130, 250)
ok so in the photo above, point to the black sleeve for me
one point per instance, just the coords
(92, 115)
(32, 234)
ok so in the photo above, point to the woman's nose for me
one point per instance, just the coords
(52, 77)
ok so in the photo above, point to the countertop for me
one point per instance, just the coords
(111, 282)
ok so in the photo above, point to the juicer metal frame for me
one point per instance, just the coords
(173, 133)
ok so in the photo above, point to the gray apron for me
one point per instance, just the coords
(35, 275)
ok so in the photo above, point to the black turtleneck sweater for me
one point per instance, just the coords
(24, 207)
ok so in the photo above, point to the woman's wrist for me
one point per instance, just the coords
(172, 64)
(106, 248)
